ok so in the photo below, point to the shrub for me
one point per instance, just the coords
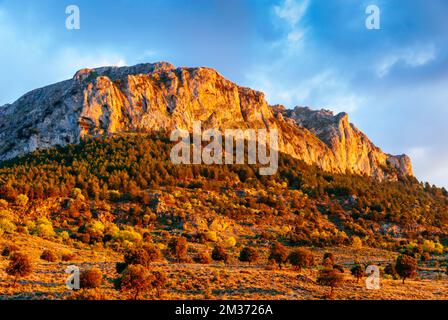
(77, 194)
(90, 279)
(278, 253)
(68, 256)
(44, 228)
(7, 226)
(178, 248)
(135, 279)
(22, 200)
(356, 242)
(220, 254)
(6, 214)
(143, 255)
(19, 266)
(428, 246)
(49, 256)
(357, 271)
(406, 267)
(203, 258)
(9, 249)
(438, 248)
(331, 278)
(64, 235)
(129, 235)
(3, 204)
(301, 258)
(153, 252)
(95, 229)
(230, 242)
(137, 255)
(211, 236)
(248, 254)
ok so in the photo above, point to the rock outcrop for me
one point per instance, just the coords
(352, 149)
(159, 96)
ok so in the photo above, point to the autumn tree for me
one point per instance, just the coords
(49, 256)
(278, 253)
(142, 254)
(135, 279)
(178, 247)
(330, 278)
(301, 258)
(91, 279)
(203, 258)
(220, 254)
(406, 266)
(153, 252)
(137, 255)
(248, 254)
(357, 271)
(19, 266)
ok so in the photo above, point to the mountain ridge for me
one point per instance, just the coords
(159, 96)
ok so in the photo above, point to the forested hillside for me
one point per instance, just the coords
(128, 182)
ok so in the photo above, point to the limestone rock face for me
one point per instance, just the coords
(352, 149)
(159, 96)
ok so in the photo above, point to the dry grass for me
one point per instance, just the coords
(214, 281)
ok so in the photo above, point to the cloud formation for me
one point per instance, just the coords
(316, 53)
(392, 81)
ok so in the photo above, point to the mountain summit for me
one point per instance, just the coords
(159, 96)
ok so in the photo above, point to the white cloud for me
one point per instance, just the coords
(70, 58)
(292, 11)
(296, 35)
(35, 59)
(413, 57)
(323, 90)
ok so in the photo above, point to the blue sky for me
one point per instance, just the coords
(393, 82)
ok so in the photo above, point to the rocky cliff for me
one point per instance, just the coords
(351, 148)
(151, 97)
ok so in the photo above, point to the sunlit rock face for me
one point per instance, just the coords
(159, 96)
(352, 149)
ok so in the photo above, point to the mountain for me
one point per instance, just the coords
(350, 146)
(161, 97)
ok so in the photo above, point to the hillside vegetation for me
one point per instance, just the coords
(116, 193)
